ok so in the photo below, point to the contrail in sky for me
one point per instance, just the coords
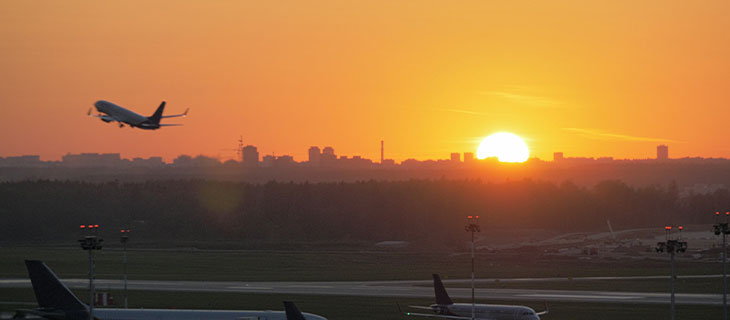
(602, 135)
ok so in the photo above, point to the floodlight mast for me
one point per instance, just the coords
(472, 226)
(91, 243)
(124, 239)
(672, 246)
(722, 229)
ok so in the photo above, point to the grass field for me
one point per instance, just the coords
(70, 262)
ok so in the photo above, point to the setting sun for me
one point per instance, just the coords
(505, 146)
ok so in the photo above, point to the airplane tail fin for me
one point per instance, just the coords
(441, 296)
(49, 291)
(155, 118)
(292, 312)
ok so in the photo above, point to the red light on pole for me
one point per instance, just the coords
(470, 217)
(668, 228)
(477, 217)
(127, 230)
(727, 213)
(82, 226)
(90, 226)
(122, 231)
(96, 226)
(681, 228)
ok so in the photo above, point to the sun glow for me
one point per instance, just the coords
(505, 146)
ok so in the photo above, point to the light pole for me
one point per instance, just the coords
(123, 239)
(671, 247)
(722, 228)
(91, 243)
(472, 226)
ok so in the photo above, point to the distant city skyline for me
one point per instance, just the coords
(693, 174)
(316, 156)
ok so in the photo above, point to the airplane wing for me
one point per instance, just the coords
(421, 307)
(103, 117)
(428, 315)
(177, 115)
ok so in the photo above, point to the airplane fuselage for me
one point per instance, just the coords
(489, 311)
(114, 112)
(166, 314)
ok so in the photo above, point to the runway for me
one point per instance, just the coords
(411, 289)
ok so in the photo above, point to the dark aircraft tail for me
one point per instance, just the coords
(155, 118)
(442, 297)
(51, 293)
(292, 312)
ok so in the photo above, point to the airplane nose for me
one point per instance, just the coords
(100, 105)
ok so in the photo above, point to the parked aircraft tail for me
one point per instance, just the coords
(442, 297)
(155, 118)
(292, 312)
(51, 293)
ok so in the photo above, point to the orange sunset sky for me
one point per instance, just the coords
(588, 78)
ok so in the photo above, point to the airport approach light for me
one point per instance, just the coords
(91, 243)
(472, 226)
(124, 239)
(672, 246)
(721, 228)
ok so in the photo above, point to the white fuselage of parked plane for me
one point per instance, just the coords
(166, 314)
(117, 113)
(489, 311)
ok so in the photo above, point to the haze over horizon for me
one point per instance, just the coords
(587, 79)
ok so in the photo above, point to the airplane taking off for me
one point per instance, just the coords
(57, 302)
(111, 112)
(446, 309)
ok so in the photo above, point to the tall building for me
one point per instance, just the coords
(455, 157)
(468, 157)
(314, 156)
(382, 151)
(328, 157)
(558, 156)
(250, 156)
(662, 152)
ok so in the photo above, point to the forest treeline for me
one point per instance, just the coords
(430, 211)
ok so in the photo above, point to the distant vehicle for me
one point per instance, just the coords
(57, 302)
(446, 309)
(111, 112)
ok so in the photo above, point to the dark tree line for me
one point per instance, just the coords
(431, 211)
